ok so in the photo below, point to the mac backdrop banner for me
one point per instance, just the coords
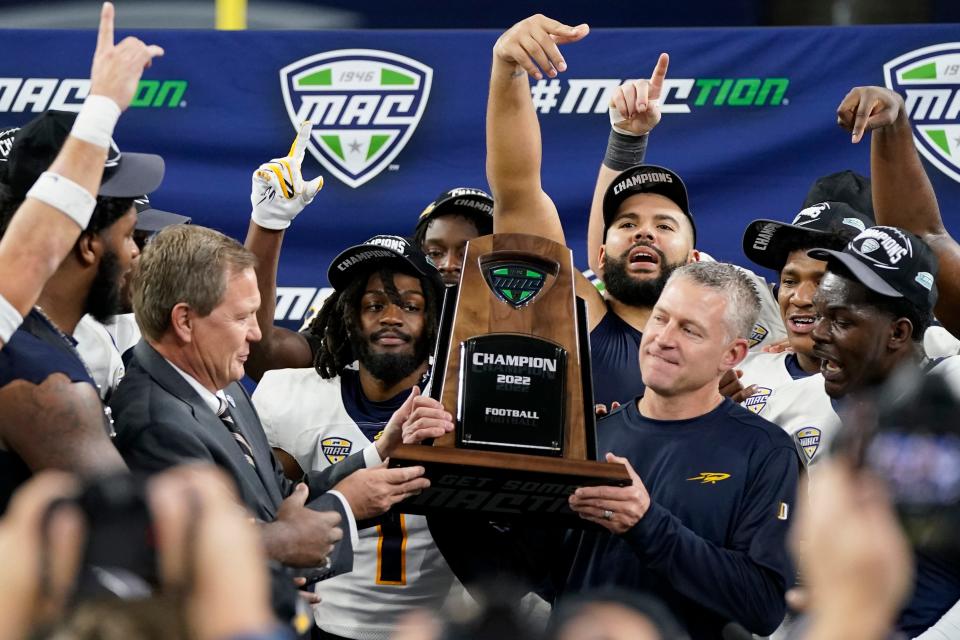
(749, 120)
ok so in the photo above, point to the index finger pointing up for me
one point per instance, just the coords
(299, 146)
(105, 34)
(660, 71)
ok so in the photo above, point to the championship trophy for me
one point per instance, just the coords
(512, 364)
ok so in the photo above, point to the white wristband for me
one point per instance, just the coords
(10, 320)
(65, 195)
(616, 116)
(96, 120)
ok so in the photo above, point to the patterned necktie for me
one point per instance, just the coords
(224, 414)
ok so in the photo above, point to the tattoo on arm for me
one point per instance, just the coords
(58, 424)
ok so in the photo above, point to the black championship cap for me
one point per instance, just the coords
(843, 186)
(152, 220)
(646, 178)
(475, 204)
(768, 243)
(889, 261)
(36, 145)
(386, 251)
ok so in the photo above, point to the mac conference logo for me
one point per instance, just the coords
(808, 439)
(335, 449)
(758, 401)
(515, 284)
(929, 80)
(364, 104)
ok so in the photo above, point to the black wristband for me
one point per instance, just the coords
(625, 151)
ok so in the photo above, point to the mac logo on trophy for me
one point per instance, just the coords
(515, 283)
(512, 365)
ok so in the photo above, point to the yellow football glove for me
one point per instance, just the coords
(278, 192)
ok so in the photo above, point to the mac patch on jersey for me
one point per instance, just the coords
(364, 104)
(929, 80)
(335, 449)
(758, 401)
(758, 334)
(808, 441)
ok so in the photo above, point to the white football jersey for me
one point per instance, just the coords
(768, 328)
(766, 370)
(124, 330)
(939, 343)
(800, 407)
(396, 566)
(100, 353)
(101, 346)
(803, 409)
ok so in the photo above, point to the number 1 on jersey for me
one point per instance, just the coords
(392, 550)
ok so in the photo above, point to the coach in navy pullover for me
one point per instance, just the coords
(703, 525)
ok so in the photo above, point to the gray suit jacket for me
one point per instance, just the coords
(162, 422)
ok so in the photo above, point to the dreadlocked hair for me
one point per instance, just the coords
(339, 318)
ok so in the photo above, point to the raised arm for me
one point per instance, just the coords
(277, 195)
(513, 132)
(41, 234)
(279, 348)
(902, 194)
(634, 112)
(513, 137)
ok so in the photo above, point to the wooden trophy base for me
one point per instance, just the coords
(512, 363)
(506, 486)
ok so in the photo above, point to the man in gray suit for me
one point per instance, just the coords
(195, 298)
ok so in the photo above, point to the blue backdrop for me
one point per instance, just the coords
(749, 122)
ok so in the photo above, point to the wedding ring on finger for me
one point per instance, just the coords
(607, 514)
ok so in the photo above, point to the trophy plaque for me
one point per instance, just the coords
(512, 365)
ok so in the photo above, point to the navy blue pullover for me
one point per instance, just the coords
(712, 545)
